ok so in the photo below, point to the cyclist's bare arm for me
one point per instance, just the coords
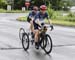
(50, 22)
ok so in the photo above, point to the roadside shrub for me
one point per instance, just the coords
(56, 14)
(50, 12)
(65, 18)
(3, 4)
(71, 19)
(2, 10)
(71, 14)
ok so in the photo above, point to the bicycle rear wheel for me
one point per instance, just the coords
(21, 31)
(25, 41)
(48, 46)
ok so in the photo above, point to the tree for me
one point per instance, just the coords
(67, 4)
(3, 3)
(56, 4)
(37, 2)
(18, 4)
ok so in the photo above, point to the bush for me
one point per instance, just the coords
(58, 16)
(65, 18)
(3, 4)
(2, 10)
(22, 18)
(53, 14)
(71, 19)
(71, 14)
(50, 11)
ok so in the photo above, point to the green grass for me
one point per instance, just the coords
(62, 22)
(16, 11)
(22, 19)
(12, 11)
(56, 22)
(2, 10)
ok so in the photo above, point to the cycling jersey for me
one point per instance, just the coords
(31, 15)
(41, 18)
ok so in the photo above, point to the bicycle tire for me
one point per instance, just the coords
(46, 38)
(42, 42)
(20, 34)
(25, 40)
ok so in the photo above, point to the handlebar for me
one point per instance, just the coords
(43, 25)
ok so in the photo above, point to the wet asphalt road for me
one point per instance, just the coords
(11, 49)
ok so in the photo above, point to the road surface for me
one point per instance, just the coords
(11, 48)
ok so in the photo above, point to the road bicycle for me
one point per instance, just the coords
(45, 41)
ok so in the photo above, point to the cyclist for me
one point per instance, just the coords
(31, 16)
(39, 18)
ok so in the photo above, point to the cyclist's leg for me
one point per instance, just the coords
(36, 32)
(31, 23)
(36, 39)
(31, 26)
(36, 35)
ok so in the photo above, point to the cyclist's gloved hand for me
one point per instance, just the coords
(51, 27)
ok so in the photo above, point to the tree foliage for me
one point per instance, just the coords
(67, 4)
(55, 4)
(18, 4)
(41, 2)
(37, 2)
(3, 3)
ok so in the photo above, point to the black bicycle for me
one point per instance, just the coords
(45, 41)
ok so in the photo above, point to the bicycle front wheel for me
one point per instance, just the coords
(25, 41)
(48, 47)
(21, 31)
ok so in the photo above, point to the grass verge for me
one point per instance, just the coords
(12, 11)
(55, 22)
(63, 23)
